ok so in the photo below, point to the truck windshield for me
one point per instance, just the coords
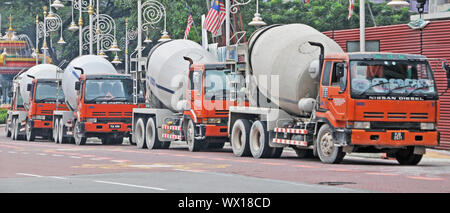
(47, 92)
(391, 78)
(217, 84)
(108, 90)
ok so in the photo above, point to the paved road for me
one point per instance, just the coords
(43, 166)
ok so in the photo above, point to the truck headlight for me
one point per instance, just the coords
(361, 125)
(427, 126)
(214, 120)
(91, 120)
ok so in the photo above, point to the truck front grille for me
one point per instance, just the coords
(396, 115)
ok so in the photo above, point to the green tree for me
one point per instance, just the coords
(324, 15)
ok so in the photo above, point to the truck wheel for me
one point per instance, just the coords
(139, 134)
(55, 130)
(259, 141)
(277, 151)
(304, 153)
(195, 145)
(61, 128)
(16, 130)
(151, 135)
(118, 140)
(7, 131)
(77, 134)
(215, 145)
(407, 157)
(13, 130)
(328, 153)
(30, 132)
(240, 138)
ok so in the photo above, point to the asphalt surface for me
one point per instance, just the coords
(43, 166)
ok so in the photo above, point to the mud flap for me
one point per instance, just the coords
(342, 137)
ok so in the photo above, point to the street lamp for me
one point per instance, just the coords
(57, 4)
(231, 6)
(152, 12)
(257, 21)
(398, 4)
(73, 27)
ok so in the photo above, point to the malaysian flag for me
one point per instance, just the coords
(350, 8)
(189, 23)
(215, 17)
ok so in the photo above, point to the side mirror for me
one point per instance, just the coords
(340, 73)
(340, 70)
(77, 86)
(29, 87)
(446, 67)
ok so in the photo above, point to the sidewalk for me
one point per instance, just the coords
(437, 153)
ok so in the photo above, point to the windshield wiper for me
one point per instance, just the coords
(102, 98)
(108, 99)
(371, 86)
(402, 87)
(46, 100)
(418, 88)
(119, 98)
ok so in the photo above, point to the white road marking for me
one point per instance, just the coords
(56, 155)
(76, 157)
(31, 175)
(12, 152)
(130, 185)
(55, 177)
(42, 154)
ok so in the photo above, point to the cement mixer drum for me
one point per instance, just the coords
(41, 71)
(167, 70)
(91, 64)
(280, 58)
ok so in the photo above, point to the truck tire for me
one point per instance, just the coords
(30, 132)
(304, 153)
(139, 134)
(259, 141)
(240, 133)
(7, 131)
(215, 145)
(56, 130)
(277, 151)
(77, 134)
(17, 136)
(407, 157)
(194, 144)
(61, 138)
(151, 135)
(327, 151)
(13, 130)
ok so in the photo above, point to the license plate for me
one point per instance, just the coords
(398, 136)
(114, 126)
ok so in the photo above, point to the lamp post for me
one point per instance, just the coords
(150, 13)
(231, 7)
(362, 26)
(129, 36)
(362, 19)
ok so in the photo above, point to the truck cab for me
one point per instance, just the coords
(377, 102)
(208, 99)
(104, 108)
(45, 97)
(16, 114)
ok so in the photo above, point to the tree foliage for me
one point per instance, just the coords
(324, 15)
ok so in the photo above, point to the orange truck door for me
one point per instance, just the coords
(332, 98)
